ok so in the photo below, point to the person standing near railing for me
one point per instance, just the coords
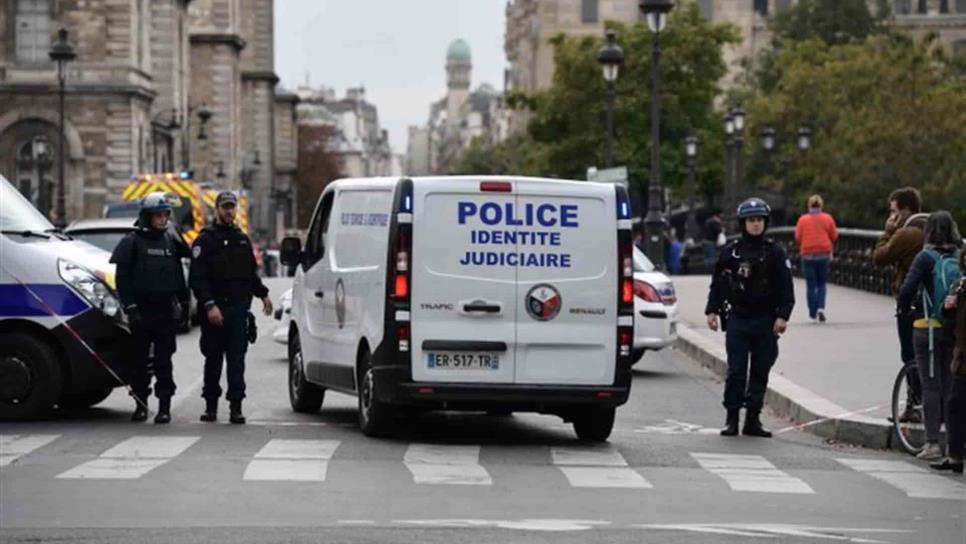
(956, 402)
(901, 240)
(815, 234)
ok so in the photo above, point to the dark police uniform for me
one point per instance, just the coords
(223, 274)
(752, 278)
(150, 282)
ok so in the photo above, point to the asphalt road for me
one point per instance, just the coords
(664, 476)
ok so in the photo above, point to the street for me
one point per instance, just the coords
(664, 476)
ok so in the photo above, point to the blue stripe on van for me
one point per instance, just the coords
(15, 301)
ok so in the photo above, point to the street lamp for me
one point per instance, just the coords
(610, 58)
(204, 114)
(738, 115)
(62, 52)
(769, 143)
(804, 138)
(691, 151)
(729, 130)
(768, 139)
(655, 11)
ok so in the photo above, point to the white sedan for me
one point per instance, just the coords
(655, 308)
(283, 314)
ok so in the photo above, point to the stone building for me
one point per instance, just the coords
(456, 119)
(286, 158)
(144, 71)
(530, 24)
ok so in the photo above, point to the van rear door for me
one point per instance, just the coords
(566, 283)
(464, 295)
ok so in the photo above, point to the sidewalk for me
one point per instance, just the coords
(841, 371)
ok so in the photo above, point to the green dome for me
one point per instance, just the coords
(458, 50)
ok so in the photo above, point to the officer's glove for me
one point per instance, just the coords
(133, 316)
(252, 329)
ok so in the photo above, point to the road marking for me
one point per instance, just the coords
(555, 525)
(441, 464)
(597, 467)
(14, 446)
(915, 482)
(184, 392)
(750, 473)
(132, 458)
(771, 531)
(292, 460)
(673, 426)
(266, 423)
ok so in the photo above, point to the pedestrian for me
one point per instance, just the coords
(752, 297)
(815, 234)
(956, 402)
(931, 277)
(150, 284)
(713, 237)
(900, 242)
(224, 278)
(675, 252)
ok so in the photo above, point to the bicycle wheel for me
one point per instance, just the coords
(907, 411)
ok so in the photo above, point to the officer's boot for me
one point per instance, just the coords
(753, 426)
(235, 412)
(164, 410)
(731, 424)
(211, 410)
(140, 410)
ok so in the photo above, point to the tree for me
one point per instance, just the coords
(832, 21)
(317, 166)
(886, 112)
(518, 155)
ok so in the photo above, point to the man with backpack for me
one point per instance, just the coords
(930, 279)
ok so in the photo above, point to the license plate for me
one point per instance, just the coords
(463, 361)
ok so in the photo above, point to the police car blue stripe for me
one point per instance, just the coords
(16, 301)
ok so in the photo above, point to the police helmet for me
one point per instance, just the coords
(156, 202)
(753, 207)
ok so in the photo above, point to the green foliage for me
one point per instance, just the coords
(832, 21)
(886, 113)
(517, 155)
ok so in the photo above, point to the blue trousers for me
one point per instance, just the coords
(749, 340)
(816, 281)
(226, 345)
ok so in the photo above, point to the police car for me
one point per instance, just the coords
(465, 293)
(655, 308)
(56, 295)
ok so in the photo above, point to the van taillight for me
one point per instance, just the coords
(400, 289)
(625, 338)
(496, 187)
(400, 283)
(402, 333)
(627, 291)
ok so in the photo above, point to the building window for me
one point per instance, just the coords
(707, 8)
(961, 6)
(33, 31)
(922, 8)
(761, 7)
(588, 11)
(902, 7)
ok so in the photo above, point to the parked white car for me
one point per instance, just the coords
(283, 314)
(655, 308)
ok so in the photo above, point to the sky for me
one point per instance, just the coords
(395, 48)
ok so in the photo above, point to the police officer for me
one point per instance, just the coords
(752, 293)
(224, 279)
(150, 284)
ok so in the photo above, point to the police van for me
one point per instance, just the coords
(51, 289)
(495, 294)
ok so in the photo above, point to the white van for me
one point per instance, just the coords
(42, 362)
(465, 293)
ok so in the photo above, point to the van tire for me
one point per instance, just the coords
(375, 418)
(31, 358)
(304, 396)
(595, 424)
(85, 399)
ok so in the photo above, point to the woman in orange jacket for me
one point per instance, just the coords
(816, 234)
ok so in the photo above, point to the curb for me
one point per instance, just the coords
(792, 402)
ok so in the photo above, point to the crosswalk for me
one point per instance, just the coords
(581, 466)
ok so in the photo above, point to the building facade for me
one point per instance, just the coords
(157, 85)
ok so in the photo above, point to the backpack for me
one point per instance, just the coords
(945, 274)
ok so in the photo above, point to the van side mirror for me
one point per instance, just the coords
(291, 251)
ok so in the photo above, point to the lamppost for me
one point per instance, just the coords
(769, 144)
(691, 151)
(738, 115)
(729, 130)
(204, 115)
(610, 58)
(655, 11)
(62, 52)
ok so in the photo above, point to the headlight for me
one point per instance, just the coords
(89, 286)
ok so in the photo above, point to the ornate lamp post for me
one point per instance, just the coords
(769, 144)
(655, 11)
(62, 52)
(610, 57)
(691, 151)
(738, 115)
(729, 130)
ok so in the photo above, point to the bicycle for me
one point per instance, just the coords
(909, 431)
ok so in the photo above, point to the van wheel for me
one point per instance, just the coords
(375, 417)
(636, 355)
(304, 396)
(595, 424)
(30, 377)
(86, 398)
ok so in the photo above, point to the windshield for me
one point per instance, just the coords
(17, 213)
(641, 262)
(104, 239)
